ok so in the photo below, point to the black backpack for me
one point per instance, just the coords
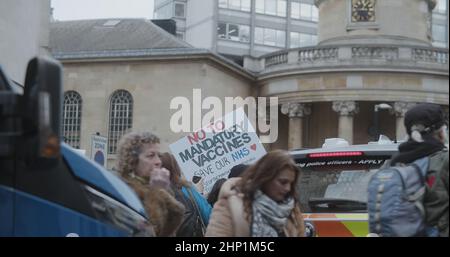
(192, 224)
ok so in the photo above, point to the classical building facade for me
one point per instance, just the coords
(369, 67)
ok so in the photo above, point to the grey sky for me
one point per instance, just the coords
(98, 9)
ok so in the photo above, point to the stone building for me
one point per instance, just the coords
(121, 75)
(369, 66)
(374, 59)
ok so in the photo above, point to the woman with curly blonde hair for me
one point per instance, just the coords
(139, 165)
(261, 203)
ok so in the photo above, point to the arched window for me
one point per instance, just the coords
(71, 123)
(120, 117)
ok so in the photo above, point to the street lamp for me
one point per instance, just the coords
(377, 107)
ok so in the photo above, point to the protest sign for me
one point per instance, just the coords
(212, 151)
(99, 149)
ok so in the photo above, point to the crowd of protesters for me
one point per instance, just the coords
(260, 200)
(257, 200)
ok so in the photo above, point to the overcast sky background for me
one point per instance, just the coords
(98, 9)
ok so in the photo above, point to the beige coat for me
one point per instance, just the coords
(229, 219)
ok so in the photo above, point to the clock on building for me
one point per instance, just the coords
(363, 10)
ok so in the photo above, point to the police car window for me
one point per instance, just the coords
(350, 185)
(313, 185)
(342, 183)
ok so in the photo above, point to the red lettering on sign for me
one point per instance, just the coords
(196, 136)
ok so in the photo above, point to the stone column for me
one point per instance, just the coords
(346, 110)
(296, 113)
(400, 108)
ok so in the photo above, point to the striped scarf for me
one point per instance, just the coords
(269, 217)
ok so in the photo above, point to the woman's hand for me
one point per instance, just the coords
(160, 178)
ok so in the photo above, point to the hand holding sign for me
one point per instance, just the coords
(198, 183)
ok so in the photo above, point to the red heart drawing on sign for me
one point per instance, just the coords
(253, 147)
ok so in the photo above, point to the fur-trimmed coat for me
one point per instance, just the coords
(165, 212)
(229, 219)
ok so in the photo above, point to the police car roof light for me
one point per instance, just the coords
(335, 154)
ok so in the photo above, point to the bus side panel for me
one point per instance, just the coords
(38, 217)
(6, 211)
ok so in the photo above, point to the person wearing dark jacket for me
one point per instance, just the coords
(237, 170)
(427, 131)
(213, 195)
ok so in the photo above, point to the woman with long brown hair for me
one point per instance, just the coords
(197, 209)
(263, 203)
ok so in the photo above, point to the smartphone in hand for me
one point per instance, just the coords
(196, 179)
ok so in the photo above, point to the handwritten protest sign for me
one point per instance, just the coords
(212, 151)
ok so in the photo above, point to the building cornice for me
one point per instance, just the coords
(151, 55)
(346, 70)
(365, 94)
(352, 58)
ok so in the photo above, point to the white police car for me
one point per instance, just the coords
(333, 184)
